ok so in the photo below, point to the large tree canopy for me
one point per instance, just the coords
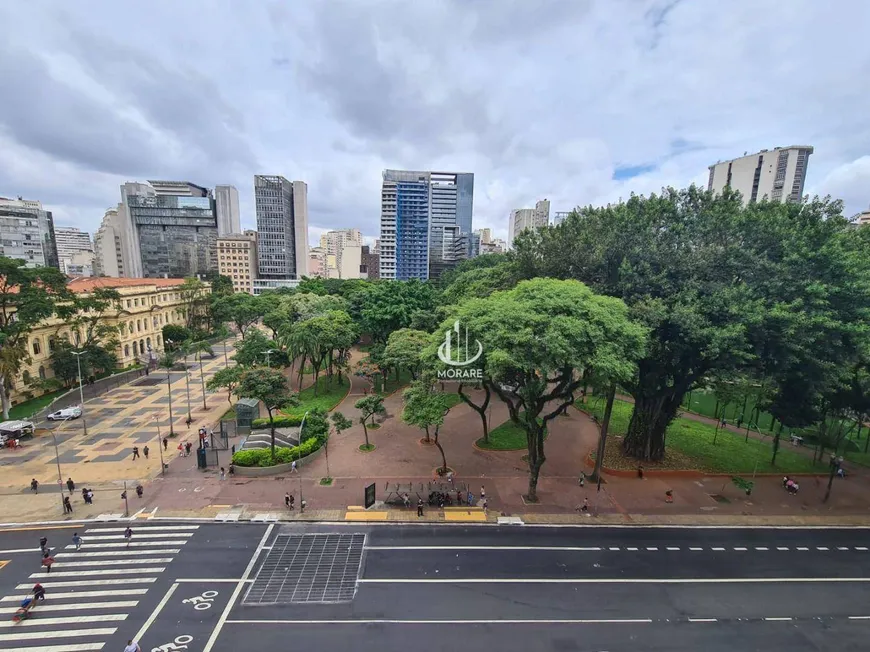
(389, 306)
(772, 287)
(537, 339)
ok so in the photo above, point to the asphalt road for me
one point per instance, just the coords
(430, 588)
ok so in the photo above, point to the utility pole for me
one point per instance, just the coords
(78, 355)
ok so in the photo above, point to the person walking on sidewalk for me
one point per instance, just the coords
(223, 474)
(34, 486)
(145, 450)
(67, 505)
(165, 444)
(70, 485)
(293, 468)
(419, 507)
(77, 540)
(135, 452)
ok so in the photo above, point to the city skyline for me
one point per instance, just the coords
(288, 100)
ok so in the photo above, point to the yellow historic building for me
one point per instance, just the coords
(146, 306)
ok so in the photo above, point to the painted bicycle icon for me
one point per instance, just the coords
(203, 601)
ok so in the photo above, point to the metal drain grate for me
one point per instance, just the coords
(309, 568)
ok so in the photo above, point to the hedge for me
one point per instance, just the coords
(283, 455)
(280, 422)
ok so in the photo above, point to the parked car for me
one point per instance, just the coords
(67, 413)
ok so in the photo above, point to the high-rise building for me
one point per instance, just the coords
(317, 262)
(560, 216)
(351, 261)
(229, 219)
(777, 174)
(370, 263)
(528, 218)
(334, 243)
(485, 235)
(171, 229)
(27, 233)
(282, 224)
(425, 222)
(861, 219)
(109, 250)
(71, 241)
(237, 259)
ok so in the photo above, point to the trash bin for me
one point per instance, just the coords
(200, 458)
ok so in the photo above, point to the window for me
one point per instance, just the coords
(42, 373)
(126, 350)
(148, 342)
(136, 302)
(138, 325)
(36, 348)
(128, 303)
(135, 348)
(52, 343)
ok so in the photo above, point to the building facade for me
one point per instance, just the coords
(229, 217)
(560, 216)
(426, 222)
(282, 224)
(777, 174)
(266, 284)
(146, 306)
(370, 263)
(74, 243)
(528, 218)
(237, 259)
(27, 233)
(317, 262)
(108, 247)
(171, 229)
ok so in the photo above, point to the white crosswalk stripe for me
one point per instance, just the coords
(105, 575)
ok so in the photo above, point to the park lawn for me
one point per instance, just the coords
(452, 399)
(692, 443)
(327, 397)
(28, 408)
(391, 384)
(506, 437)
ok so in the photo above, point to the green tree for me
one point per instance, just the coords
(241, 309)
(28, 296)
(270, 387)
(492, 272)
(426, 408)
(195, 303)
(387, 307)
(221, 285)
(403, 349)
(226, 378)
(537, 337)
(251, 350)
(197, 348)
(174, 336)
(370, 406)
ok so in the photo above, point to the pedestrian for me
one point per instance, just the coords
(739, 422)
(187, 447)
(85, 495)
(128, 535)
(470, 500)
(232, 469)
(139, 490)
(43, 544)
(302, 505)
(482, 492)
(582, 478)
(145, 450)
(47, 560)
(669, 496)
(77, 540)
(485, 507)
(459, 497)
(293, 468)
(165, 443)
(292, 502)
(180, 449)
(67, 505)
(34, 486)
(90, 496)
(132, 646)
(406, 499)
(585, 506)
(419, 507)
(223, 474)
(70, 485)
(135, 452)
(287, 500)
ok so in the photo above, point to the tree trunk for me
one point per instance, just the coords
(480, 409)
(535, 439)
(441, 450)
(272, 432)
(776, 444)
(645, 439)
(4, 397)
(301, 369)
(426, 439)
(602, 436)
(366, 431)
(316, 374)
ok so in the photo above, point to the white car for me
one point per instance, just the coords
(66, 413)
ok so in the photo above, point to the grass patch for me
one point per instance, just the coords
(452, 400)
(690, 446)
(373, 426)
(327, 397)
(506, 437)
(367, 448)
(29, 408)
(391, 384)
(229, 415)
(325, 482)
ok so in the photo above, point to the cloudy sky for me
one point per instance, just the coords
(577, 101)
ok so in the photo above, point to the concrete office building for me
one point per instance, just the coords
(108, 248)
(777, 174)
(73, 242)
(171, 229)
(27, 233)
(317, 262)
(528, 218)
(334, 243)
(425, 222)
(370, 264)
(237, 259)
(229, 220)
(282, 224)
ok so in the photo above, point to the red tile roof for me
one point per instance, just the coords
(88, 284)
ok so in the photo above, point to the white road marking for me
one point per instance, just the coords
(75, 647)
(113, 562)
(718, 549)
(761, 548)
(740, 549)
(652, 548)
(69, 633)
(74, 606)
(210, 580)
(232, 601)
(782, 547)
(695, 549)
(136, 536)
(842, 548)
(672, 548)
(821, 548)
(862, 548)
(632, 549)
(703, 620)
(133, 544)
(97, 582)
(802, 548)
(116, 553)
(590, 580)
(384, 621)
(71, 620)
(79, 594)
(859, 617)
(144, 528)
(493, 548)
(16, 550)
(89, 573)
(613, 548)
(141, 633)
(777, 619)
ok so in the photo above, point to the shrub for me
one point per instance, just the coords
(280, 422)
(263, 456)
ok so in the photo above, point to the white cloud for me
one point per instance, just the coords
(543, 99)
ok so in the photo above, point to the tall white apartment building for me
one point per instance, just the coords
(334, 244)
(528, 218)
(74, 242)
(109, 248)
(777, 174)
(27, 232)
(229, 220)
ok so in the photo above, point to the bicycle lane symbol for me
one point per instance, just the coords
(188, 619)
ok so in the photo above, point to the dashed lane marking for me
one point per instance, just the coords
(69, 633)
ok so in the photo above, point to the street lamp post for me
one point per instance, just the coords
(202, 380)
(57, 460)
(268, 353)
(301, 426)
(78, 355)
(187, 384)
(836, 463)
(160, 445)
